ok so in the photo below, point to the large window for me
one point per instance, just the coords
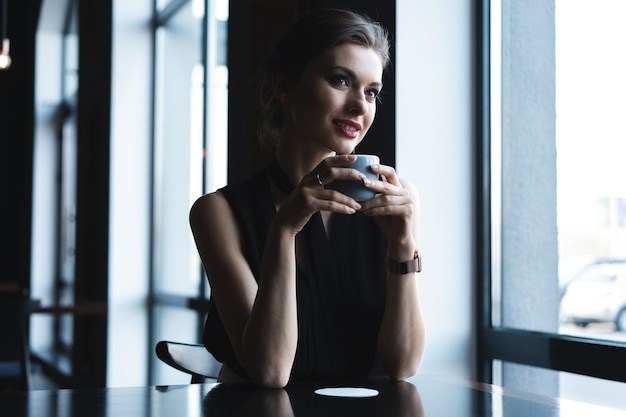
(554, 206)
(189, 159)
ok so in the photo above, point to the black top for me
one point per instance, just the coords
(340, 290)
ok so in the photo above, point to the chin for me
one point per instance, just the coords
(343, 150)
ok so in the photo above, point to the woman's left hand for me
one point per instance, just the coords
(394, 206)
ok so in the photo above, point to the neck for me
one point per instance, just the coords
(298, 161)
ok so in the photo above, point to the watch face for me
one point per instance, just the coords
(418, 262)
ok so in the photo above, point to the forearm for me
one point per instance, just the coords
(401, 335)
(270, 336)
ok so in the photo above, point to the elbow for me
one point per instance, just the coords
(400, 373)
(273, 383)
(404, 360)
(275, 380)
(270, 374)
(268, 368)
(400, 367)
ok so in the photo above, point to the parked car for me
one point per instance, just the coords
(596, 294)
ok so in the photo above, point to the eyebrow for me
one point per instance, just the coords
(353, 75)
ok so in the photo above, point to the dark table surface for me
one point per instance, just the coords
(420, 396)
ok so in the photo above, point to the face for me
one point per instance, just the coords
(332, 106)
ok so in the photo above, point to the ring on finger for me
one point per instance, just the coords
(319, 180)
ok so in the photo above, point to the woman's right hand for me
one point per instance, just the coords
(311, 195)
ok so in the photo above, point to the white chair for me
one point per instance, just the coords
(192, 359)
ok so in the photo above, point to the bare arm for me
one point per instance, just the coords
(401, 335)
(260, 320)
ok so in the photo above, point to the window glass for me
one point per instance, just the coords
(217, 96)
(558, 140)
(178, 149)
(161, 4)
(591, 142)
(70, 57)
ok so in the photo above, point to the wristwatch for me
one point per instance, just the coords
(401, 268)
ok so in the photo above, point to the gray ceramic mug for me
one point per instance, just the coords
(356, 189)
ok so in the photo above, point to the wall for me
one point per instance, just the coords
(435, 128)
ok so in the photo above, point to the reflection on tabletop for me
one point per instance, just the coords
(394, 399)
(420, 396)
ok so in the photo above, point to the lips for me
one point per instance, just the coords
(348, 127)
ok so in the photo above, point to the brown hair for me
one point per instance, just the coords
(302, 41)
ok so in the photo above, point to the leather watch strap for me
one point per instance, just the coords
(401, 268)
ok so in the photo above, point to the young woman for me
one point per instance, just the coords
(307, 283)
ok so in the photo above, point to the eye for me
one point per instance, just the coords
(372, 94)
(339, 80)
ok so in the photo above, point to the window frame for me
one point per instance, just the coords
(586, 356)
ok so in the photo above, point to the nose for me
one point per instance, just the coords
(358, 103)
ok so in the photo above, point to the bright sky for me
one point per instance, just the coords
(591, 103)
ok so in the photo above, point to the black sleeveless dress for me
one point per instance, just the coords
(340, 290)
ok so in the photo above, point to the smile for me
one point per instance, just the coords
(347, 126)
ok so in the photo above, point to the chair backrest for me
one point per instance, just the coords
(193, 359)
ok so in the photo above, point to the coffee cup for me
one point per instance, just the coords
(356, 189)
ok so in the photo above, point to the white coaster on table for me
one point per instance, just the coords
(347, 392)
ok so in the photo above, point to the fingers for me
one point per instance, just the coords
(389, 190)
(388, 173)
(346, 206)
(391, 197)
(388, 184)
(317, 197)
(388, 205)
(320, 199)
(334, 168)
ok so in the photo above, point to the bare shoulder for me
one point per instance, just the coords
(206, 207)
(212, 221)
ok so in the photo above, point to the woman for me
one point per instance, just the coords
(307, 283)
